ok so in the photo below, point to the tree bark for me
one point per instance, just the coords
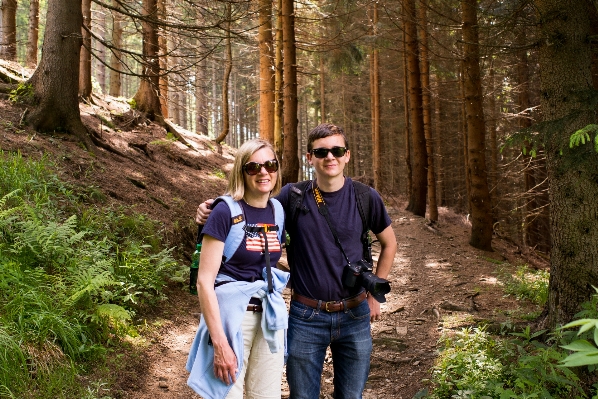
(267, 79)
(278, 87)
(375, 88)
(566, 75)
(225, 80)
(32, 33)
(56, 80)
(407, 130)
(8, 47)
(322, 91)
(85, 61)
(481, 207)
(290, 172)
(163, 49)
(427, 111)
(419, 188)
(147, 98)
(115, 55)
(99, 30)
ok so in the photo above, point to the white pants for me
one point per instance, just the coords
(262, 371)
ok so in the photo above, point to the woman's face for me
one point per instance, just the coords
(263, 182)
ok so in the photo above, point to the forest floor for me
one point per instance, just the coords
(440, 284)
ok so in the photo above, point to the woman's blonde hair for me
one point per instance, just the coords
(236, 181)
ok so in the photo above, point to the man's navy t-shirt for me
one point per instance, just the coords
(248, 261)
(318, 262)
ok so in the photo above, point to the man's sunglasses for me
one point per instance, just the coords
(323, 152)
(253, 168)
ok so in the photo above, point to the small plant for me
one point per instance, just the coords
(526, 284)
(22, 94)
(219, 173)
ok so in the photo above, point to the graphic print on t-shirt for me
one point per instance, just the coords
(254, 241)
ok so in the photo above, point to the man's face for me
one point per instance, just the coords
(329, 166)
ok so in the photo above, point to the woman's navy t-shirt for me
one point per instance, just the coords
(249, 260)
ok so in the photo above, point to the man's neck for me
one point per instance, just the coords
(330, 185)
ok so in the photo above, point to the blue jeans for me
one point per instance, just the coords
(347, 333)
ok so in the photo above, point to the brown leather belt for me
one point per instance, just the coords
(255, 305)
(330, 306)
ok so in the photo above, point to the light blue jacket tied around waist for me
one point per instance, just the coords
(233, 299)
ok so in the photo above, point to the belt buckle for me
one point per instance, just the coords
(326, 306)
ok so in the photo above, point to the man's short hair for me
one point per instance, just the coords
(325, 130)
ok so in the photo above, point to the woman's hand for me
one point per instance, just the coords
(225, 363)
(203, 211)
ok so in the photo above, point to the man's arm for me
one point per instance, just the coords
(388, 248)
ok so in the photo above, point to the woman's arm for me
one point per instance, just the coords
(225, 361)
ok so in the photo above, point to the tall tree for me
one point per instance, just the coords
(32, 33)
(225, 80)
(278, 86)
(419, 187)
(427, 110)
(481, 206)
(115, 53)
(290, 172)
(266, 47)
(566, 78)
(56, 80)
(85, 61)
(8, 30)
(375, 102)
(147, 98)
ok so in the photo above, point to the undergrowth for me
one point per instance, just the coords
(473, 363)
(72, 276)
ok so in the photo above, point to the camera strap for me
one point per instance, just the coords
(323, 209)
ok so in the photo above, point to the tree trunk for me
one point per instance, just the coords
(493, 138)
(290, 172)
(85, 61)
(407, 130)
(322, 91)
(8, 48)
(427, 111)
(267, 80)
(375, 85)
(566, 76)
(32, 33)
(481, 207)
(227, 71)
(419, 188)
(201, 100)
(278, 86)
(56, 80)
(99, 29)
(163, 48)
(115, 55)
(147, 98)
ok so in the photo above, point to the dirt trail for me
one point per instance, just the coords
(438, 282)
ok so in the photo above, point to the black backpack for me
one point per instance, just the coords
(362, 193)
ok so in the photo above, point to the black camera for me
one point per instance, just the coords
(360, 273)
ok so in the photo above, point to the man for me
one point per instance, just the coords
(324, 312)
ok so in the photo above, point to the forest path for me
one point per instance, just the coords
(439, 283)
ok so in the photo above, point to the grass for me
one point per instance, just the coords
(72, 277)
(526, 284)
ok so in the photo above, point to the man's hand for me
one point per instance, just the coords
(203, 211)
(375, 313)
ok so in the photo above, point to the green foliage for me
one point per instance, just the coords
(583, 135)
(474, 364)
(526, 284)
(132, 103)
(22, 94)
(585, 353)
(69, 284)
(219, 173)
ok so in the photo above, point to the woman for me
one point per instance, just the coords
(240, 340)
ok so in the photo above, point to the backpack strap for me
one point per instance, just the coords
(237, 233)
(296, 203)
(362, 194)
(278, 218)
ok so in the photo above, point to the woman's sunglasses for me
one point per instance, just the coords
(253, 168)
(323, 152)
